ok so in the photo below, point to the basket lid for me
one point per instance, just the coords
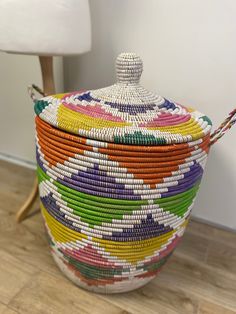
(125, 112)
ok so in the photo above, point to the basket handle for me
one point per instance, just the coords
(224, 127)
(31, 91)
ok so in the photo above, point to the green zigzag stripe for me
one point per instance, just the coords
(39, 106)
(99, 215)
(139, 138)
(104, 201)
(207, 119)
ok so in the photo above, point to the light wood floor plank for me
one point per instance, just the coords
(13, 276)
(222, 256)
(49, 294)
(205, 282)
(157, 297)
(6, 310)
(210, 308)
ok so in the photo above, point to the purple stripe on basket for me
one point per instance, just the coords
(146, 226)
(99, 180)
(117, 190)
(87, 97)
(102, 186)
(186, 184)
(168, 105)
(96, 188)
(182, 189)
(193, 169)
(171, 191)
(54, 211)
(102, 173)
(97, 172)
(129, 193)
(95, 169)
(101, 176)
(94, 177)
(96, 166)
(101, 183)
(132, 109)
(135, 236)
(40, 163)
(147, 229)
(100, 192)
(94, 180)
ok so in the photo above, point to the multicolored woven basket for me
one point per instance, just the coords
(118, 170)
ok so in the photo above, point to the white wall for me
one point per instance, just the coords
(16, 107)
(189, 53)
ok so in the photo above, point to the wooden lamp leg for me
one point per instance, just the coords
(25, 208)
(47, 75)
(46, 64)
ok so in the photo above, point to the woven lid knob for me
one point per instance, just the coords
(129, 68)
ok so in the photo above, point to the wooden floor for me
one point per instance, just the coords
(199, 278)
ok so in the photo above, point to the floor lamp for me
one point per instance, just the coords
(45, 29)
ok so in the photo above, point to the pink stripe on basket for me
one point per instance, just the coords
(93, 111)
(90, 255)
(161, 121)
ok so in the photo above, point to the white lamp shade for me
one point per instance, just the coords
(45, 27)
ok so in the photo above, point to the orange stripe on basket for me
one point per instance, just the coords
(78, 139)
(57, 156)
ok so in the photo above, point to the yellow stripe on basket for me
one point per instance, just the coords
(185, 128)
(51, 222)
(58, 96)
(108, 243)
(81, 121)
(74, 121)
(144, 248)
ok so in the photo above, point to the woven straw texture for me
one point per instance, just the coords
(118, 169)
(124, 113)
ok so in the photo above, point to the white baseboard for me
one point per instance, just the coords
(18, 161)
(212, 224)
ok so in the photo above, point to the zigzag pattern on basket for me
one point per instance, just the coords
(119, 169)
(92, 201)
(160, 123)
(99, 263)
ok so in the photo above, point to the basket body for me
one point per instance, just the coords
(115, 237)
(117, 182)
